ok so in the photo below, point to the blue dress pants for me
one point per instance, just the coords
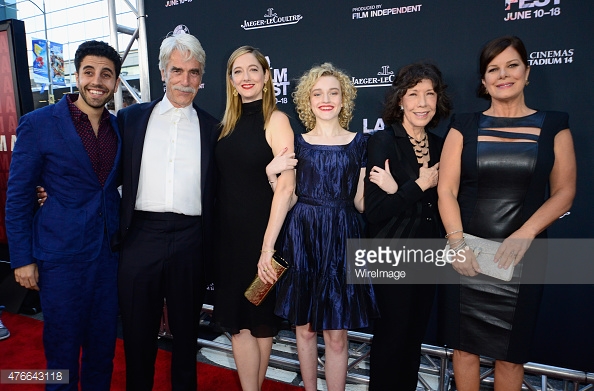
(80, 308)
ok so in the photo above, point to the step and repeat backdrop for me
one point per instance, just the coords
(372, 40)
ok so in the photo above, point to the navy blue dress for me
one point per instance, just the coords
(314, 289)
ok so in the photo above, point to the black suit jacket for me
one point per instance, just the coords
(132, 122)
(410, 212)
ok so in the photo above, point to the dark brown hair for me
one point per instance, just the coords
(494, 48)
(408, 77)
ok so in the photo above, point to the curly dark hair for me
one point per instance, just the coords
(100, 49)
(408, 77)
(491, 50)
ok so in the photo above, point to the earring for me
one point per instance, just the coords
(234, 92)
(401, 108)
(265, 89)
(527, 82)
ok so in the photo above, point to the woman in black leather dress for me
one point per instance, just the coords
(401, 202)
(495, 168)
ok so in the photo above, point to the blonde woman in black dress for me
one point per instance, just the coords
(249, 213)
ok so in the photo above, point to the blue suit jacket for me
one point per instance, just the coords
(71, 225)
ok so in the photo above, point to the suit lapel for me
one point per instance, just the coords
(405, 151)
(139, 132)
(71, 137)
(434, 148)
(205, 149)
(116, 162)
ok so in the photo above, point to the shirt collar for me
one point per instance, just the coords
(166, 106)
(77, 115)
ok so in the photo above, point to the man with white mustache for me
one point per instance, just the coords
(166, 220)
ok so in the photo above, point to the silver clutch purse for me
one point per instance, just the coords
(484, 251)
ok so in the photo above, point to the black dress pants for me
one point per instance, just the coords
(161, 259)
(398, 335)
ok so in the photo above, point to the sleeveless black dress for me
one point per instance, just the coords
(502, 184)
(243, 207)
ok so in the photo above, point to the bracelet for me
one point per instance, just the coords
(268, 251)
(453, 244)
(461, 246)
(453, 232)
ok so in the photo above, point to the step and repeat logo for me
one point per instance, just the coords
(551, 57)
(377, 10)
(380, 78)
(383, 78)
(280, 81)
(271, 19)
(531, 9)
(371, 126)
(173, 3)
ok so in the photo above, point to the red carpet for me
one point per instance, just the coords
(24, 350)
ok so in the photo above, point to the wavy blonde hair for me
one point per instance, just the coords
(233, 106)
(301, 95)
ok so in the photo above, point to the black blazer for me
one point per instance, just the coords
(132, 122)
(410, 212)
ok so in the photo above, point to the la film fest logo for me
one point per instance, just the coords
(379, 125)
(551, 57)
(271, 19)
(376, 10)
(529, 9)
(173, 3)
(280, 81)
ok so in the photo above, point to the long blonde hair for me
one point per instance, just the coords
(233, 106)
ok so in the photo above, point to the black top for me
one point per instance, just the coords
(410, 212)
(244, 197)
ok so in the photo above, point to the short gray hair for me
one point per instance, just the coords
(184, 43)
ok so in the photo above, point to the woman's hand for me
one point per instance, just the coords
(265, 270)
(513, 249)
(280, 163)
(465, 263)
(383, 178)
(428, 176)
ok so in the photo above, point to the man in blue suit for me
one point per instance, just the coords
(63, 249)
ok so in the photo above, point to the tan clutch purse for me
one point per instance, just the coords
(258, 289)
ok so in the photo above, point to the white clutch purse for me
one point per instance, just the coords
(484, 251)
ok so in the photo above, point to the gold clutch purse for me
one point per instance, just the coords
(258, 289)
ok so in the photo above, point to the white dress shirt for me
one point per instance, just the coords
(170, 168)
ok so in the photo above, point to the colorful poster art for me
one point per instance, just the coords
(40, 59)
